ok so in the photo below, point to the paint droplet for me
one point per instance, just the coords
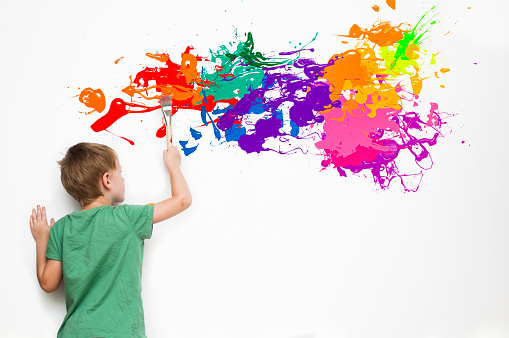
(376, 8)
(93, 99)
(161, 132)
(444, 70)
(442, 86)
(391, 3)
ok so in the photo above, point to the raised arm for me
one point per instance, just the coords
(181, 195)
(49, 271)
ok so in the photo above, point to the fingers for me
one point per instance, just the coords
(39, 224)
(43, 215)
(38, 214)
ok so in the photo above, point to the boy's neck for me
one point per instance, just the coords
(97, 203)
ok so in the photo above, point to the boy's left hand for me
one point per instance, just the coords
(39, 224)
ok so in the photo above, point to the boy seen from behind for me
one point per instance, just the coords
(98, 251)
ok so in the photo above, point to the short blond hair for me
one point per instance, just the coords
(82, 168)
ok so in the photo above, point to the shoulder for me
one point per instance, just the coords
(59, 227)
(60, 223)
(133, 210)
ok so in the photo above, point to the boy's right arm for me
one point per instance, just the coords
(181, 195)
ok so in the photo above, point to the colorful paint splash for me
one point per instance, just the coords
(358, 112)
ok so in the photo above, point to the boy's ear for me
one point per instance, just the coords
(106, 180)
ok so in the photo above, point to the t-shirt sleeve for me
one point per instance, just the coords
(54, 248)
(140, 216)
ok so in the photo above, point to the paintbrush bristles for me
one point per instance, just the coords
(166, 107)
(165, 101)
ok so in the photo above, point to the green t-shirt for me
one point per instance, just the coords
(101, 250)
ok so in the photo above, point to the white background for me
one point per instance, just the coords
(271, 247)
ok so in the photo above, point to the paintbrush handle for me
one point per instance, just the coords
(168, 136)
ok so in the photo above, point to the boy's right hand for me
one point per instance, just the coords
(180, 198)
(172, 157)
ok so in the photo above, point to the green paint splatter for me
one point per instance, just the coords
(415, 36)
(239, 71)
(393, 69)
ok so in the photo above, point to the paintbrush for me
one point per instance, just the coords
(166, 107)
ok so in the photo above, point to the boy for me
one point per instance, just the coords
(99, 250)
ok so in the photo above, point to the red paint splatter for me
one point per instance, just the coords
(118, 108)
(128, 140)
(161, 132)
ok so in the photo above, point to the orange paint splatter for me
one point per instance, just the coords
(93, 99)
(158, 57)
(443, 70)
(451, 28)
(356, 71)
(117, 60)
(376, 8)
(416, 82)
(391, 3)
(383, 34)
(188, 67)
(410, 52)
(131, 90)
(442, 86)
(343, 67)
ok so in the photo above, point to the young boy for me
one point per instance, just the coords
(99, 250)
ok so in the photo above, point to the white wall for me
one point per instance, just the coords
(271, 247)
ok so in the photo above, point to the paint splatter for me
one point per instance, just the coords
(357, 113)
(93, 99)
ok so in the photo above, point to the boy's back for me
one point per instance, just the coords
(101, 250)
(98, 251)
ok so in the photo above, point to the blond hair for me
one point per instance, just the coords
(82, 168)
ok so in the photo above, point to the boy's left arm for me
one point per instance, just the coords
(49, 271)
